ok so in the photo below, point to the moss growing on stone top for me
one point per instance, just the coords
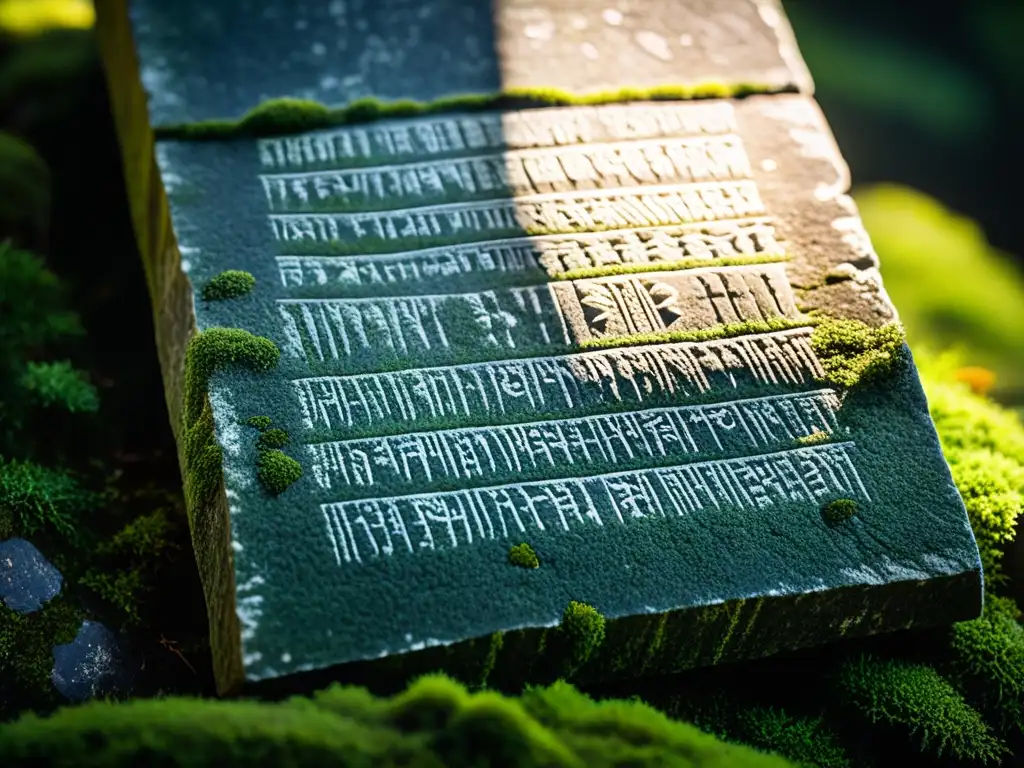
(523, 556)
(852, 352)
(277, 471)
(272, 438)
(281, 116)
(259, 422)
(216, 348)
(839, 511)
(701, 334)
(229, 284)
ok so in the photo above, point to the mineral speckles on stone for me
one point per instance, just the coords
(92, 665)
(27, 579)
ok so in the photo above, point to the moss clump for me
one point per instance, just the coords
(523, 556)
(277, 471)
(852, 352)
(434, 722)
(229, 285)
(272, 438)
(258, 422)
(839, 511)
(583, 629)
(917, 700)
(281, 116)
(216, 348)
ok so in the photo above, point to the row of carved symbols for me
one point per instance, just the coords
(556, 254)
(496, 454)
(568, 385)
(362, 531)
(689, 300)
(514, 173)
(555, 213)
(400, 140)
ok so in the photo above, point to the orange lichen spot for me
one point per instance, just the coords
(980, 380)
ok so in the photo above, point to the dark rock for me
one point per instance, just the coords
(94, 664)
(27, 579)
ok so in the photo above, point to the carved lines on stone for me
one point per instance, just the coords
(576, 384)
(399, 140)
(572, 446)
(362, 531)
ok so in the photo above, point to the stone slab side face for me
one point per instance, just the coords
(589, 329)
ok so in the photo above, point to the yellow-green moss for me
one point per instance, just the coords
(583, 628)
(282, 116)
(704, 334)
(229, 284)
(277, 470)
(258, 422)
(272, 438)
(839, 511)
(216, 348)
(495, 643)
(523, 556)
(666, 266)
(852, 352)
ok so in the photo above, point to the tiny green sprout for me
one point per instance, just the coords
(523, 556)
(272, 438)
(229, 285)
(839, 511)
(276, 471)
(259, 422)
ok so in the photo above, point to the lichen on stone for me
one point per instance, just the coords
(230, 284)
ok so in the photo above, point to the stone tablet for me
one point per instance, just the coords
(647, 340)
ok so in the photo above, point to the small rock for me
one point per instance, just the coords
(91, 665)
(27, 579)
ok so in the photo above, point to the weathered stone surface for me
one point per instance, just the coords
(587, 329)
(27, 579)
(203, 60)
(92, 665)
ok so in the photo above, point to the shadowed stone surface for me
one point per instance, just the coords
(27, 579)
(203, 60)
(588, 329)
(91, 665)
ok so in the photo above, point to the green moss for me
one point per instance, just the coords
(989, 663)
(704, 334)
(495, 643)
(283, 116)
(665, 266)
(839, 511)
(60, 384)
(917, 700)
(523, 556)
(26, 657)
(272, 438)
(277, 471)
(583, 629)
(42, 498)
(805, 740)
(259, 422)
(229, 284)
(6, 522)
(434, 723)
(852, 352)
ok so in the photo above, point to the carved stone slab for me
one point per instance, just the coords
(588, 329)
(203, 60)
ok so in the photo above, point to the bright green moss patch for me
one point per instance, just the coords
(276, 471)
(523, 556)
(852, 352)
(915, 699)
(583, 628)
(229, 284)
(258, 422)
(216, 348)
(666, 266)
(839, 511)
(703, 334)
(280, 116)
(272, 438)
(60, 384)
